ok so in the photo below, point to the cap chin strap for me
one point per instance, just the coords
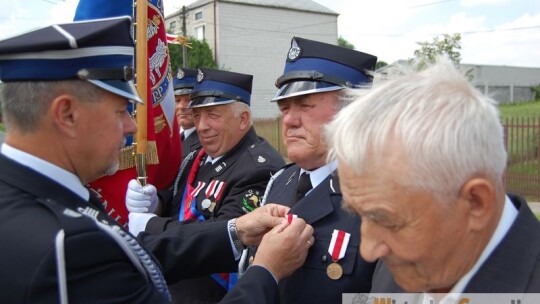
(125, 73)
(311, 76)
(215, 93)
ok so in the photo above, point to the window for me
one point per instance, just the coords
(172, 25)
(199, 32)
(198, 15)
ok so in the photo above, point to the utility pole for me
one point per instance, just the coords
(184, 47)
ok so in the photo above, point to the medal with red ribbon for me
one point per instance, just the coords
(215, 189)
(337, 249)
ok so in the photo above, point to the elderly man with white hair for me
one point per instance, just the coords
(421, 161)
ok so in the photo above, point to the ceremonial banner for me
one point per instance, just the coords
(163, 155)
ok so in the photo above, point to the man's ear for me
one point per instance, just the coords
(481, 199)
(65, 111)
(245, 120)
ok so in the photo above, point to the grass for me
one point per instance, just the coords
(524, 109)
(2, 127)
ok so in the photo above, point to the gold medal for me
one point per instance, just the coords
(334, 271)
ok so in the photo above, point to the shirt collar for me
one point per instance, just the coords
(187, 132)
(209, 159)
(318, 175)
(59, 175)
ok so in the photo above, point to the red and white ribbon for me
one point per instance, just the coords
(290, 217)
(215, 189)
(198, 189)
(338, 244)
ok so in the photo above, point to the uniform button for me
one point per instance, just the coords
(324, 258)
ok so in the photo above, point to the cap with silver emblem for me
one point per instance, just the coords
(184, 81)
(217, 87)
(314, 67)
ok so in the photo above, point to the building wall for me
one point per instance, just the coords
(255, 40)
(506, 84)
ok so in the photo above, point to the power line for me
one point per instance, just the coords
(462, 33)
(503, 30)
(427, 4)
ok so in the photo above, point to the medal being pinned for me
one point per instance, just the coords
(337, 249)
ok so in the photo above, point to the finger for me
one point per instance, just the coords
(297, 226)
(149, 189)
(138, 209)
(138, 203)
(307, 233)
(134, 185)
(280, 227)
(277, 210)
(138, 196)
(310, 242)
(270, 221)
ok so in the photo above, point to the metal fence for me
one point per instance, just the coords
(522, 137)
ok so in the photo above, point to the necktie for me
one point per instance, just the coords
(153, 271)
(304, 185)
(182, 136)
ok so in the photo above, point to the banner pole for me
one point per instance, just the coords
(141, 66)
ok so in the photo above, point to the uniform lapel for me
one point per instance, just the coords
(320, 202)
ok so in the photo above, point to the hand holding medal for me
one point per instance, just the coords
(284, 249)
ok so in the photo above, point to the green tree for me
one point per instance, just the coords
(536, 91)
(449, 45)
(380, 64)
(342, 42)
(199, 55)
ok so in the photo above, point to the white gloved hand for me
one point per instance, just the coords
(141, 199)
(137, 221)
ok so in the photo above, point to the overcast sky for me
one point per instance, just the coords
(497, 32)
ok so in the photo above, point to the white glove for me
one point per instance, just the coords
(141, 199)
(137, 222)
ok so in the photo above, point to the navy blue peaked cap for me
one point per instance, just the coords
(217, 87)
(184, 81)
(314, 67)
(99, 51)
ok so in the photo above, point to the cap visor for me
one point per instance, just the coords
(298, 88)
(125, 89)
(183, 91)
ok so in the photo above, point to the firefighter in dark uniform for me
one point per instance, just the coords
(183, 83)
(224, 179)
(65, 95)
(311, 91)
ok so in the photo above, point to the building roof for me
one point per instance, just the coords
(301, 5)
